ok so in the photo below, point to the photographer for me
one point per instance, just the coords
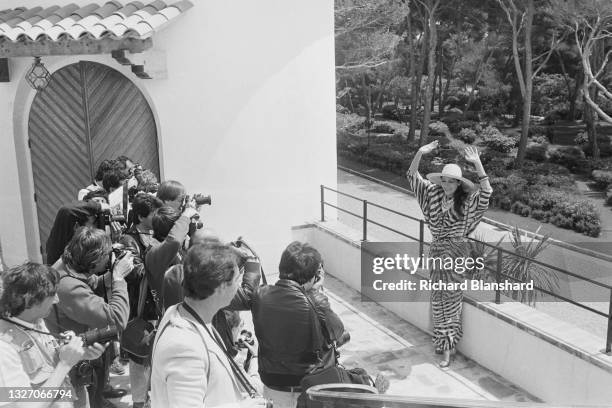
(136, 240)
(172, 193)
(283, 317)
(170, 229)
(103, 168)
(82, 271)
(30, 356)
(70, 217)
(190, 366)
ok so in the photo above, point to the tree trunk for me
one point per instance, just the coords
(448, 79)
(414, 92)
(431, 69)
(520, 157)
(589, 120)
(441, 72)
(350, 100)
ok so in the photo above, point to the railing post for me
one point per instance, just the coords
(498, 275)
(421, 236)
(609, 338)
(322, 203)
(365, 220)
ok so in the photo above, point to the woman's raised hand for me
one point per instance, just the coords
(428, 148)
(471, 154)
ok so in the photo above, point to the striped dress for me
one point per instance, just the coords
(448, 230)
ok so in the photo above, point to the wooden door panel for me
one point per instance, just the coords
(121, 120)
(60, 162)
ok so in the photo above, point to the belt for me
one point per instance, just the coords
(285, 388)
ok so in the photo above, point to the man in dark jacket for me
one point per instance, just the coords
(286, 323)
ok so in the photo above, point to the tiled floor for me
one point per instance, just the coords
(382, 342)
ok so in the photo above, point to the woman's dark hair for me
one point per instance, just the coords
(86, 248)
(299, 262)
(459, 199)
(170, 190)
(113, 179)
(206, 267)
(106, 166)
(163, 221)
(24, 286)
(143, 205)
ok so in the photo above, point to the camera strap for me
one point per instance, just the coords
(238, 373)
(24, 327)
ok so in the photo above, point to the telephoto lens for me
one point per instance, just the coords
(103, 335)
(201, 199)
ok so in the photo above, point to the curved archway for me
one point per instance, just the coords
(89, 112)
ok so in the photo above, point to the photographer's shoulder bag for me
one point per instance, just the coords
(329, 370)
(139, 334)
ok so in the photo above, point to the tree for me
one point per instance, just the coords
(520, 15)
(431, 9)
(590, 22)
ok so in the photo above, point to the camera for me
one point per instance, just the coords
(118, 252)
(103, 335)
(246, 337)
(201, 199)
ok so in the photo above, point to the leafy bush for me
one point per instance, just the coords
(350, 123)
(603, 178)
(569, 156)
(382, 127)
(494, 139)
(521, 209)
(581, 138)
(566, 210)
(538, 130)
(390, 112)
(540, 215)
(603, 142)
(438, 129)
(537, 138)
(536, 152)
(467, 135)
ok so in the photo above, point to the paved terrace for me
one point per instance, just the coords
(382, 342)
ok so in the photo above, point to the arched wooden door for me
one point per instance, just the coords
(88, 112)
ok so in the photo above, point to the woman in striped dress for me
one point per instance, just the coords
(452, 208)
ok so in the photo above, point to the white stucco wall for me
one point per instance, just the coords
(247, 114)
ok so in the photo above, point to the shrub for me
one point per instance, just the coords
(494, 139)
(467, 135)
(603, 142)
(350, 123)
(540, 215)
(609, 197)
(438, 129)
(566, 210)
(603, 178)
(569, 156)
(521, 209)
(536, 152)
(541, 139)
(581, 138)
(382, 127)
(538, 130)
(390, 112)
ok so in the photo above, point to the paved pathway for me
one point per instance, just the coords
(382, 342)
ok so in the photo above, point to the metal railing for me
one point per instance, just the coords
(361, 396)
(501, 252)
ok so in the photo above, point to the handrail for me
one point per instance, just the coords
(353, 395)
(500, 252)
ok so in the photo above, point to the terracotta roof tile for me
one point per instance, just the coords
(113, 18)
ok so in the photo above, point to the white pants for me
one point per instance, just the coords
(139, 381)
(281, 399)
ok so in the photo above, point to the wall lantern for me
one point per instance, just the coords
(37, 76)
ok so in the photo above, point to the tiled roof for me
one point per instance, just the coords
(113, 19)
